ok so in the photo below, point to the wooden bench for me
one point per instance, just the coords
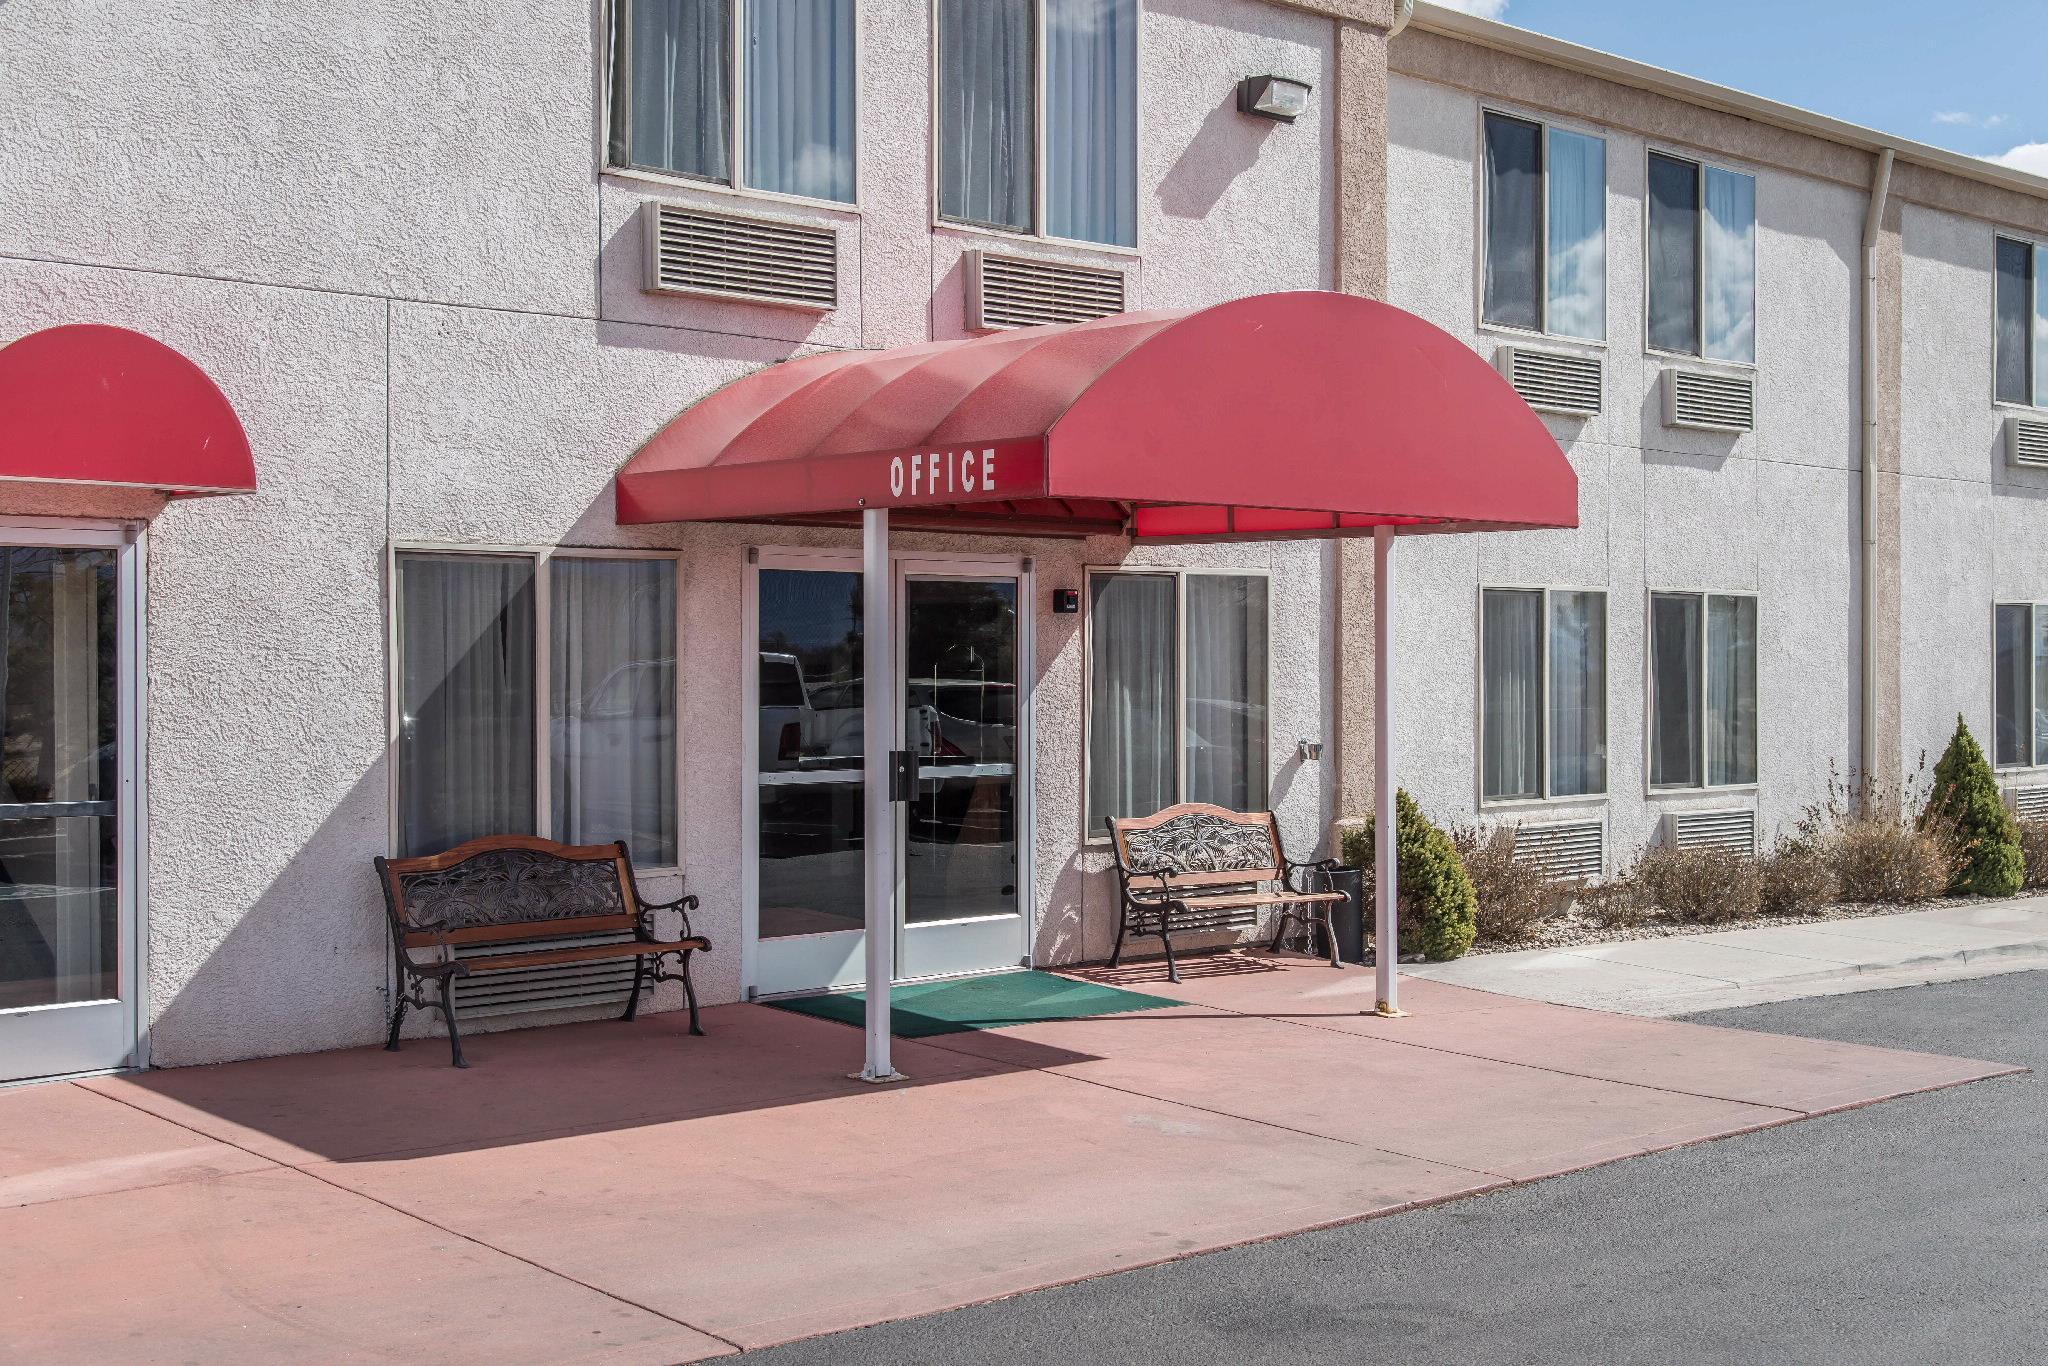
(1195, 868)
(525, 894)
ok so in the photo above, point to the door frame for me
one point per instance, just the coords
(761, 557)
(130, 542)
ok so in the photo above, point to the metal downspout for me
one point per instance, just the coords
(1873, 224)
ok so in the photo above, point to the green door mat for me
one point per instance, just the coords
(922, 1009)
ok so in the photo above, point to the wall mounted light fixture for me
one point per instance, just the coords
(1273, 97)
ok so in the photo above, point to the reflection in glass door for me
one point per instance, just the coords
(66, 941)
(961, 644)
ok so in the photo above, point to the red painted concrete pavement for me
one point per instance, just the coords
(624, 1193)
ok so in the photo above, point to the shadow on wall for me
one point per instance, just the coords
(1662, 445)
(625, 308)
(1225, 146)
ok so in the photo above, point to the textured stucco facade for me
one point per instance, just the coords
(387, 232)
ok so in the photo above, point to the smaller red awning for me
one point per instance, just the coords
(91, 404)
(1305, 414)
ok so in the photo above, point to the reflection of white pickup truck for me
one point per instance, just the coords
(785, 703)
(944, 722)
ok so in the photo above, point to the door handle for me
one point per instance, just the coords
(902, 774)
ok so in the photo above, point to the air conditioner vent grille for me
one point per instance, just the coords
(1554, 381)
(557, 987)
(692, 251)
(1734, 831)
(1575, 850)
(2026, 442)
(1018, 291)
(1710, 402)
(2030, 802)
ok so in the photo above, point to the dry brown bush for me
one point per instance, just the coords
(1797, 878)
(1515, 898)
(1616, 904)
(2034, 844)
(1702, 886)
(1878, 849)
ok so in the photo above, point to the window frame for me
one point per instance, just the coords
(2037, 253)
(1547, 797)
(1037, 235)
(1481, 191)
(2037, 754)
(736, 144)
(1701, 165)
(1704, 595)
(1180, 576)
(543, 692)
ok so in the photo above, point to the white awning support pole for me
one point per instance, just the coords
(1386, 871)
(878, 742)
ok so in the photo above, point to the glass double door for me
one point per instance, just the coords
(67, 703)
(959, 712)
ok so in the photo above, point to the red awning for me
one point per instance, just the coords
(89, 404)
(1282, 414)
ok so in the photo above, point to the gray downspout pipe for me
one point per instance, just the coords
(1404, 14)
(1873, 224)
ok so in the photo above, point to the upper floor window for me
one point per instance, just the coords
(756, 94)
(1702, 690)
(2020, 688)
(1005, 134)
(1702, 260)
(2022, 321)
(1543, 693)
(1546, 229)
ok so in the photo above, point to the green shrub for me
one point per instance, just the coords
(1797, 878)
(1439, 909)
(1515, 897)
(1702, 886)
(2034, 846)
(1966, 801)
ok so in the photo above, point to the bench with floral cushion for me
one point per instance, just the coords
(1196, 869)
(524, 896)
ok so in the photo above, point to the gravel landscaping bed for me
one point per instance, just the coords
(1573, 928)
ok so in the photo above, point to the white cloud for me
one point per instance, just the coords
(2028, 156)
(1485, 9)
(1957, 118)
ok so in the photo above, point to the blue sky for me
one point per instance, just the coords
(1962, 74)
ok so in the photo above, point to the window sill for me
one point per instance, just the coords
(1523, 335)
(1544, 804)
(1740, 367)
(766, 198)
(1733, 790)
(1032, 239)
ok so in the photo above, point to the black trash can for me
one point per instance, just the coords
(1349, 915)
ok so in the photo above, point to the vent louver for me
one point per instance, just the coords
(1554, 381)
(557, 987)
(2026, 442)
(1709, 402)
(1018, 291)
(1734, 831)
(2031, 803)
(723, 256)
(1575, 850)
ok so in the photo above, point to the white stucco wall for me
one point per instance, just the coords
(1973, 530)
(1770, 512)
(384, 231)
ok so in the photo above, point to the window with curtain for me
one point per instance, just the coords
(1702, 260)
(1703, 680)
(782, 114)
(2020, 685)
(1543, 693)
(485, 697)
(1151, 741)
(994, 136)
(2021, 358)
(1546, 229)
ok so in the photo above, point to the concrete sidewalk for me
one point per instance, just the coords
(1681, 974)
(625, 1193)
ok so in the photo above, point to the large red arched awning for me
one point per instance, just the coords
(1283, 414)
(90, 404)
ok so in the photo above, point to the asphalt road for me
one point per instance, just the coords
(1912, 1231)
